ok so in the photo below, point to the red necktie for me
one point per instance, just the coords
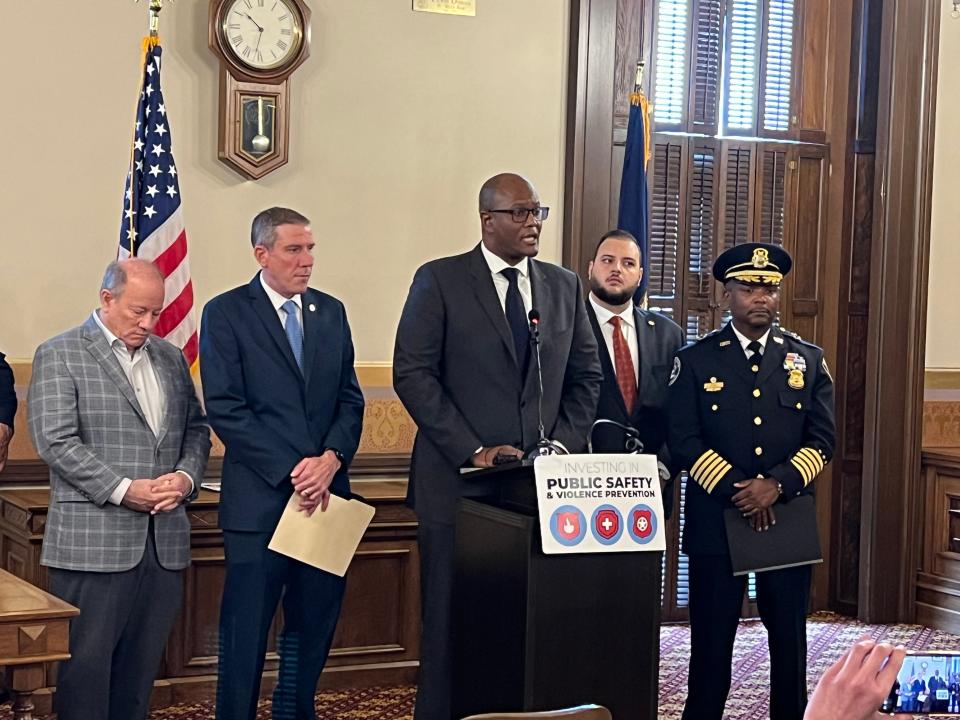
(626, 378)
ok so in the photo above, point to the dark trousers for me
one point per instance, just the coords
(117, 641)
(716, 597)
(437, 553)
(255, 580)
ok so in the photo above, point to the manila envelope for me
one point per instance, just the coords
(326, 540)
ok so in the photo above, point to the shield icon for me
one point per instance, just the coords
(608, 523)
(642, 523)
(568, 525)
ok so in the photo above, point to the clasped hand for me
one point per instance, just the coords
(156, 495)
(755, 501)
(312, 478)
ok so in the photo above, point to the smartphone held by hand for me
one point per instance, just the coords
(928, 684)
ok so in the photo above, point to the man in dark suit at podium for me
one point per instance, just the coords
(636, 354)
(462, 367)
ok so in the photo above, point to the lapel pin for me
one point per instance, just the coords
(312, 307)
(651, 323)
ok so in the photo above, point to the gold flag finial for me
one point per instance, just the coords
(155, 7)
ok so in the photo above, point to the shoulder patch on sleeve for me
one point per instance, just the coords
(826, 370)
(675, 373)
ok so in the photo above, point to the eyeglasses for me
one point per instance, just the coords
(520, 214)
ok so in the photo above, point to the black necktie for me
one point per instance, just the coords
(754, 348)
(517, 318)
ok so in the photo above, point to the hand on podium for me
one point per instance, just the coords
(487, 457)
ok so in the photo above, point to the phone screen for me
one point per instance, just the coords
(926, 683)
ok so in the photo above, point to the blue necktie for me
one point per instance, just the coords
(517, 319)
(294, 331)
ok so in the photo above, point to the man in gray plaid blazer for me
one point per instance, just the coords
(114, 414)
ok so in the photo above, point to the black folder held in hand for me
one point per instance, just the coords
(792, 541)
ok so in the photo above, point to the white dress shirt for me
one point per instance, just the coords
(627, 328)
(143, 379)
(744, 341)
(500, 282)
(277, 300)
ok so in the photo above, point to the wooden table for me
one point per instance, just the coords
(34, 629)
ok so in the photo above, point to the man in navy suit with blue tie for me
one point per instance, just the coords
(276, 359)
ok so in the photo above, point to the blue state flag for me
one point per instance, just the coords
(634, 213)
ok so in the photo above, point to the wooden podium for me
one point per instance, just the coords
(542, 632)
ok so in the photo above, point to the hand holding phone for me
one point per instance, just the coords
(928, 683)
(856, 685)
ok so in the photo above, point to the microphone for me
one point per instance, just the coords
(631, 442)
(543, 446)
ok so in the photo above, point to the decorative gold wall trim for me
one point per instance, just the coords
(941, 379)
(370, 374)
(387, 428)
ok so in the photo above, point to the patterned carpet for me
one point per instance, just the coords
(828, 637)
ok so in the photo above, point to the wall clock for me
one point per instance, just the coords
(259, 43)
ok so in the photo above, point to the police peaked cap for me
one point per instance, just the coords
(753, 264)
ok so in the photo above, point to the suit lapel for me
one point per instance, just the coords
(103, 354)
(646, 351)
(736, 360)
(541, 296)
(773, 354)
(311, 334)
(168, 383)
(487, 298)
(264, 310)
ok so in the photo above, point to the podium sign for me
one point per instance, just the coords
(599, 503)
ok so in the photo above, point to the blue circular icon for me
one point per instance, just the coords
(642, 524)
(568, 525)
(606, 524)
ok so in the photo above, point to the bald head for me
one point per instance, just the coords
(493, 190)
(131, 298)
(118, 273)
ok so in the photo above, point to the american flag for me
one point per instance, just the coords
(152, 224)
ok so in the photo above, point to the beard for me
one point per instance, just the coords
(608, 296)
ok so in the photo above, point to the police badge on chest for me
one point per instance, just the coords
(795, 365)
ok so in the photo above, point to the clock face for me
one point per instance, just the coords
(262, 34)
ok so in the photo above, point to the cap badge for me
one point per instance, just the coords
(761, 258)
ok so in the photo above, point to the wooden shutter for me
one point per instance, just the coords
(743, 57)
(772, 194)
(703, 201)
(665, 222)
(777, 77)
(671, 54)
(737, 172)
(705, 65)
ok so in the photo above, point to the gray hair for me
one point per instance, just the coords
(115, 276)
(263, 231)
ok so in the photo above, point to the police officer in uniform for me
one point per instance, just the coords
(751, 419)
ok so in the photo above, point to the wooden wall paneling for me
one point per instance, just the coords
(576, 122)
(817, 69)
(852, 133)
(808, 170)
(897, 330)
(587, 188)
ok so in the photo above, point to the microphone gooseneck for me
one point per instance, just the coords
(544, 446)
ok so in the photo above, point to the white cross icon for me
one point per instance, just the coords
(607, 524)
